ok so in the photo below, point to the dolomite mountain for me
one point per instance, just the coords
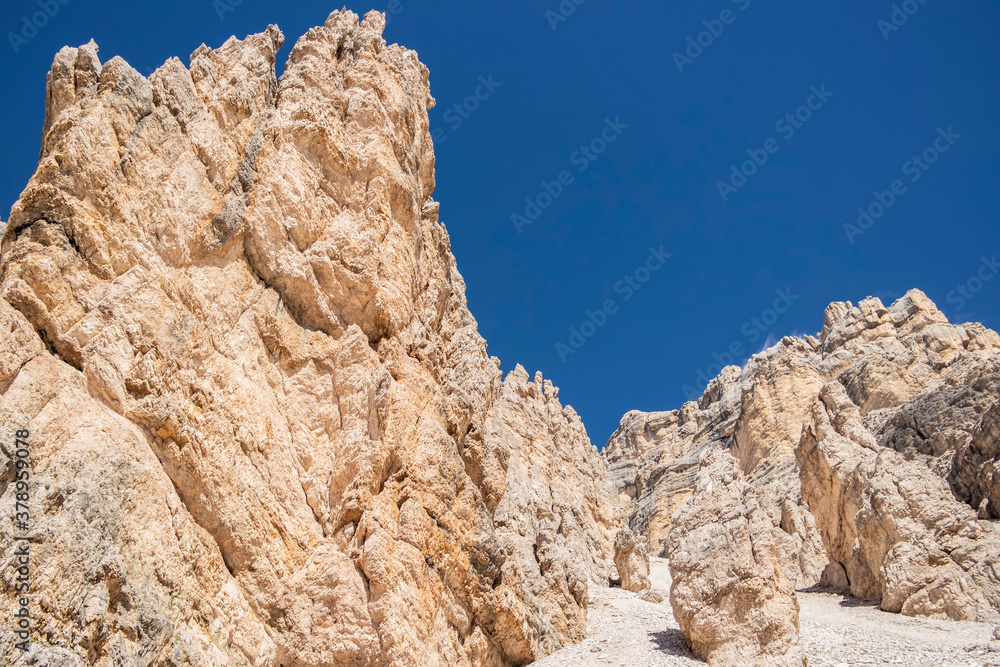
(264, 429)
(872, 448)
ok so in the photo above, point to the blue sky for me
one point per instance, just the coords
(625, 135)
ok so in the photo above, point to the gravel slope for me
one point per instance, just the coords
(836, 631)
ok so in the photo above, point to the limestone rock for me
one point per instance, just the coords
(266, 430)
(632, 561)
(651, 596)
(926, 388)
(834, 576)
(977, 466)
(653, 457)
(730, 594)
(892, 524)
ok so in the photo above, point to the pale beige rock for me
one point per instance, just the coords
(925, 388)
(632, 561)
(268, 431)
(834, 576)
(654, 456)
(114, 547)
(730, 594)
(651, 596)
(977, 466)
(893, 524)
(774, 402)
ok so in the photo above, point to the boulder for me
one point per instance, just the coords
(730, 595)
(632, 561)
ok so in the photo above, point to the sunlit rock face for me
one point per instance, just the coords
(730, 595)
(892, 525)
(925, 388)
(264, 427)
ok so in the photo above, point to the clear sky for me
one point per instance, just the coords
(650, 134)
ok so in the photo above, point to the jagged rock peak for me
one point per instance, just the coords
(265, 429)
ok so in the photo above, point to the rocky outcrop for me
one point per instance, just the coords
(653, 457)
(976, 470)
(892, 524)
(632, 561)
(730, 594)
(265, 430)
(926, 389)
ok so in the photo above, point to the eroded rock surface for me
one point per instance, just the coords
(265, 430)
(926, 388)
(976, 471)
(632, 561)
(653, 457)
(730, 594)
(892, 524)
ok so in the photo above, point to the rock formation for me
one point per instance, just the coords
(632, 561)
(730, 594)
(925, 388)
(654, 457)
(892, 524)
(976, 470)
(265, 430)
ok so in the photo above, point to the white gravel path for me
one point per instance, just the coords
(837, 631)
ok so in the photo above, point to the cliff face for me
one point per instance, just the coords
(892, 526)
(924, 388)
(265, 429)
